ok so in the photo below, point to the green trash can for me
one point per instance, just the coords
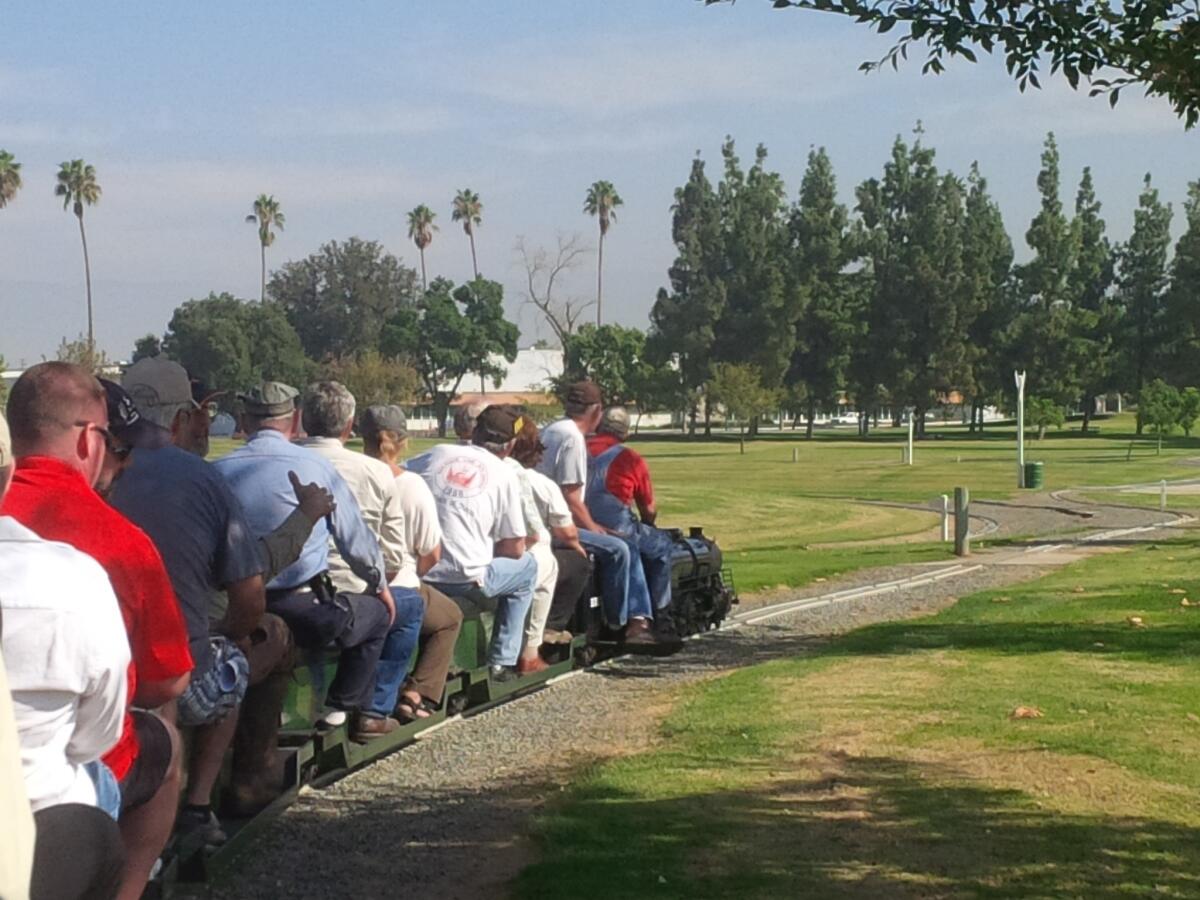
(1035, 476)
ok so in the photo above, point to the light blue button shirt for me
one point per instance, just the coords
(257, 473)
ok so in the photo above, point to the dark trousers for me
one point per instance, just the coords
(77, 854)
(439, 632)
(574, 576)
(357, 624)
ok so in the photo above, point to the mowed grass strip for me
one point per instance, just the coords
(888, 762)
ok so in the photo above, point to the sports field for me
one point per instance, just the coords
(786, 524)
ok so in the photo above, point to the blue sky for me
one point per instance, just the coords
(353, 113)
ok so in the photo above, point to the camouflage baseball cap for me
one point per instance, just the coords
(271, 398)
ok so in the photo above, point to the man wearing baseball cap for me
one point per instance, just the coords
(618, 481)
(478, 501)
(624, 591)
(261, 474)
(198, 526)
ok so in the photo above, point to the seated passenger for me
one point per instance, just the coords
(59, 418)
(483, 533)
(186, 508)
(328, 419)
(262, 474)
(64, 658)
(556, 529)
(619, 480)
(625, 596)
(384, 431)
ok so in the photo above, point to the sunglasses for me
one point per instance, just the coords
(118, 450)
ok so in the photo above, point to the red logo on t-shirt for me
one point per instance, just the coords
(461, 477)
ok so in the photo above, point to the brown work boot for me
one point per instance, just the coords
(640, 631)
(367, 728)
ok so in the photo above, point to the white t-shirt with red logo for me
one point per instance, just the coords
(478, 501)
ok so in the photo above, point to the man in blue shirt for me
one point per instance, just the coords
(196, 523)
(261, 475)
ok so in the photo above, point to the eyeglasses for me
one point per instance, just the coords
(118, 450)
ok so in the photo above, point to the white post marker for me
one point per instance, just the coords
(910, 437)
(1162, 495)
(945, 518)
(1019, 377)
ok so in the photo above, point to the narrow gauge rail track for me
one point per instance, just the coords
(328, 758)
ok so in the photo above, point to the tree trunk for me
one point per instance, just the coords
(812, 413)
(424, 280)
(441, 409)
(599, 278)
(1087, 413)
(87, 279)
(1041, 432)
(474, 262)
(262, 289)
(707, 419)
(1158, 449)
(742, 439)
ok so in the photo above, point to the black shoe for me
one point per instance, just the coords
(199, 822)
(502, 673)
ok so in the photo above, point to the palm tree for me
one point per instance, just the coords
(602, 198)
(469, 211)
(266, 215)
(421, 229)
(78, 187)
(10, 178)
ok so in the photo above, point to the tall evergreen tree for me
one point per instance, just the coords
(684, 319)
(987, 264)
(76, 184)
(762, 304)
(266, 215)
(1045, 328)
(1095, 318)
(1183, 297)
(830, 322)
(1142, 290)
(916, 347)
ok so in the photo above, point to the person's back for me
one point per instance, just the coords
(564, 460)
(66, 654)
(472, 490)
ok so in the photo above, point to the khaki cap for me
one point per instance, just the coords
(615, 421)
(271, 398)
(6, 457)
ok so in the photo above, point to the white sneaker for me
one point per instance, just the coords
(332, 719)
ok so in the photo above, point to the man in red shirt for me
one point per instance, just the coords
(618, 481)
(59, 421)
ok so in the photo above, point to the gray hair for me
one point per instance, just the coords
(163, 415)
(464, 419)
(326, 409)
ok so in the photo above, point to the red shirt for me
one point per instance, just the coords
(628, 475)
(55, 502)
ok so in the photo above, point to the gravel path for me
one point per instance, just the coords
(445, 817)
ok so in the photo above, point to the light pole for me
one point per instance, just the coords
(1019, 378)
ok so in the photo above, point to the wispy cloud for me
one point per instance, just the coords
(361, 121)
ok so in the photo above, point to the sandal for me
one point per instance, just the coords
(409, 711)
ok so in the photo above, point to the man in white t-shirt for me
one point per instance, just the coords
(66, 655)
(384, 431)
(478, 500)
(327, 413)
(624, 592)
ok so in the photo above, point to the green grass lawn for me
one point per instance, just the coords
(768, 513)
(887, 763)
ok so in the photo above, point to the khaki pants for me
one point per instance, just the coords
(543, 593)
(439, 631)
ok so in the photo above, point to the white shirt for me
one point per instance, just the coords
(565, 459)
(422, 533)
(529, 512)
(478, 501)
(16, 850)
(549, 499)
(374, 487)
(67, 654)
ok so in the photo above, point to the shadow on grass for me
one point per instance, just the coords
(868, 827)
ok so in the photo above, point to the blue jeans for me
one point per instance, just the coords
(510, 583)
(655, 548)
(623, 588)
(398, 649)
